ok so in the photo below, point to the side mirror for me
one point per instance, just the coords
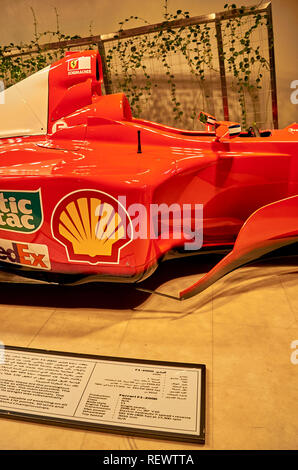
(208, 120)
(227, 130)
(234, 129)
(223, 129)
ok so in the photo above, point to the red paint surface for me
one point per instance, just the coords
(231, 177)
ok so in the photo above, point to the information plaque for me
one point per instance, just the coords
(142, 398)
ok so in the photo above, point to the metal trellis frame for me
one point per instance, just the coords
(216, 18)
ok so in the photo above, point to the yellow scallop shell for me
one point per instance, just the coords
(91, 226)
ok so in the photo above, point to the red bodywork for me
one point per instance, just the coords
(91, 155)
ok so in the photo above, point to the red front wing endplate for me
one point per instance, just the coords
(270, 227)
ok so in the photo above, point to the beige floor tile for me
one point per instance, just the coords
(253, 296)
(289, 282)
(242, 328)
(19, 326)
(89, 331)
(20, 323)
(258, 419)
(19, 435)
(255, 388)
(181, 337)
(105, 442)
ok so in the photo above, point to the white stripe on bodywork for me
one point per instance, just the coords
(234, 130)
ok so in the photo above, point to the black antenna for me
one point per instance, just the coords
(139, 142)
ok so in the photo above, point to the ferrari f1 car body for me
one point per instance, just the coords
(89, 192)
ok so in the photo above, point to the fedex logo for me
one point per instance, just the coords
(25, 254)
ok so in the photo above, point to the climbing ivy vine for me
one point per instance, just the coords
(194, 42)
(129, 58)
(242, 56)
(134, 54)
(18, 66)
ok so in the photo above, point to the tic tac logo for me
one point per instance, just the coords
(20, 211)
(92, 226)
(25, 254)
(80, 65)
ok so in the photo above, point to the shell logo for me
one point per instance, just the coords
(92, 225)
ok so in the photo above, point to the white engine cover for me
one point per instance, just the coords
(24, 106)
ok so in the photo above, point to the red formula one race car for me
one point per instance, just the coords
(87, 192)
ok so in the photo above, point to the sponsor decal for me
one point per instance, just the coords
(25, 254)
(92, 226)
(20, 211)
(80, 65)
(58, 126)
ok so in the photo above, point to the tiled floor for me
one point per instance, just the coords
(241, 328)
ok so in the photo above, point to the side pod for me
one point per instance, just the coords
(270, 227)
